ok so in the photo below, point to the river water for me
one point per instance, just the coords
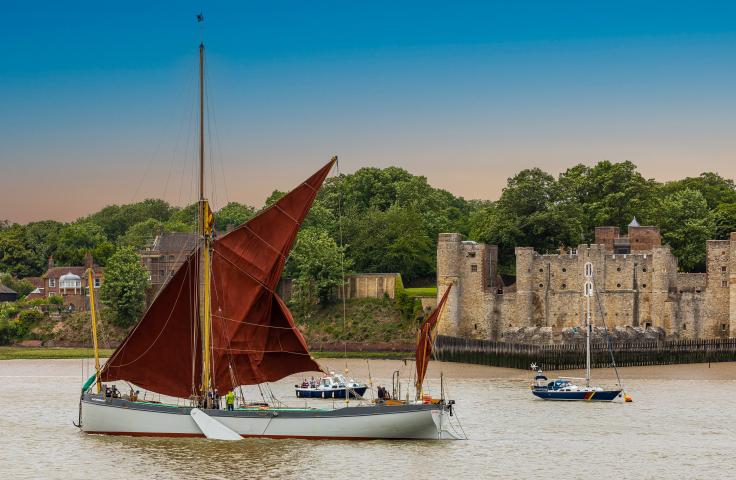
(682, 424)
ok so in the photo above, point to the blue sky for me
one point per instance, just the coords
(99, 98)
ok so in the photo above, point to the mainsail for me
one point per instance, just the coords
(254, 338)
(424, 341)
(163, 353)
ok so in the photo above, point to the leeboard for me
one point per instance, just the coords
(211, 428)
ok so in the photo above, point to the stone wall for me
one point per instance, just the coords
(642, 290)
(370, 285)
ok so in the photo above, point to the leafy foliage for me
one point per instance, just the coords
(232, 215)
(537, 210)
(124, 289)
(686, 224)
(22, 287)
(316, 266)
(76, 239)
(115, 220)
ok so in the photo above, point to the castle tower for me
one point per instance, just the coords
(449, 261)
(664, 276)
(525, 285)
(732, 285)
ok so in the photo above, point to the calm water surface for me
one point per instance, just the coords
(682, 425)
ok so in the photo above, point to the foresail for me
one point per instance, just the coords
(163, 353)
(424, 340)
(254, 336)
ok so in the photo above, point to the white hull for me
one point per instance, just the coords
(121, 417)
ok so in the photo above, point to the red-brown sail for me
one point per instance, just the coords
(424, 340)
(163, 353)
(254, 338)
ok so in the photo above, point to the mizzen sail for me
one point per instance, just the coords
(163, 353)
(254, 338)
(424, 340)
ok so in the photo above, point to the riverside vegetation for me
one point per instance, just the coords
(389, 222)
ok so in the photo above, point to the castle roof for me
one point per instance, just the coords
(634, 223)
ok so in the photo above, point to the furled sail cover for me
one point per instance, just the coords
(163, 353)
(424, 340)
(254, 338)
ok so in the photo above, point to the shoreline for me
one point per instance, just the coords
(682, 371)
(56, 353)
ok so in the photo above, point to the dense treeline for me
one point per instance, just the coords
(536, 209)
(388, 221)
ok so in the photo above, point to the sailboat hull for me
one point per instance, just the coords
(597, 396)
(122, 417)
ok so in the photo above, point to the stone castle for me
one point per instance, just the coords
(639, 286)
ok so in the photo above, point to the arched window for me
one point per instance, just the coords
(588, 269)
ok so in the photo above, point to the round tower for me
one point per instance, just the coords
(449, 260)
(524, 285)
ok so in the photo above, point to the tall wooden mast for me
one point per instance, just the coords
(93, 314)
(205, 234)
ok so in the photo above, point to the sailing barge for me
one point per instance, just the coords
(219, 324)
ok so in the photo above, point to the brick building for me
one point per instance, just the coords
(164, 257)
(71, 282)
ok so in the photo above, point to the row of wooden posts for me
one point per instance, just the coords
(572, 356)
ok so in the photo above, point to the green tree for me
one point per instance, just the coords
(142, 234)
(316, 262)
(607, 194)
(42, 237)
(275, 196)
(184, 219)
(686, 225)
(715, 189)
(78, 238)
(232, 215)
(532, 211)
(23, 287)
(388, 241)
(15, 256)
(725, 220)
(115, 220)
(124, 288)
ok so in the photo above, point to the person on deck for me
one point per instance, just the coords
(230, 400)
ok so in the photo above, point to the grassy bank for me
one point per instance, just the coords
(369, 320)
(421, 292)
(368, 355)
(20, 353)
(38, 353)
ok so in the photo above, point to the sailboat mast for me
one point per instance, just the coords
(588, 292)
(93, 314)
(588, 328)
(201, 133)
(205, 233)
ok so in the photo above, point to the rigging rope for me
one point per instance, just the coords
(605, 331)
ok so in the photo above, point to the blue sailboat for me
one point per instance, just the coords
(566, 388)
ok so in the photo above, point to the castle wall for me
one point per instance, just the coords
(732, 284)
(642, 289)
(718, 289)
